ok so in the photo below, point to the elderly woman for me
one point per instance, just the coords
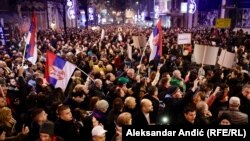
(8, 123)
(100, 112)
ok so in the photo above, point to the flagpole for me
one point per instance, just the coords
(24, 54)
(3, 94)
(85, 73)
(143, 53)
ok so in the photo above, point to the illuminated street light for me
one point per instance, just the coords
(69, 3)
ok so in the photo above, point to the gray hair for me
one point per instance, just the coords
(234, 101)
(102, 105)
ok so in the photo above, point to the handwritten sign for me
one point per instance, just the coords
(184, 38)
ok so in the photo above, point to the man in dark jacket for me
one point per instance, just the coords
(245, 100)
(47, 132)
(65, 126)
(188, 118)
(144, 116)
(175, 101)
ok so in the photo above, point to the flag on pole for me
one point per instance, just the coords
(102, 34)
(31, 47)
(155, 41)
(58, 71)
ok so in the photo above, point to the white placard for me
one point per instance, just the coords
(136, 41)
(142, 41)
(184, 38)
(198, 53)
(226, 59)
(205, 54)
(221, 57)
(129, 52)
(210, 56)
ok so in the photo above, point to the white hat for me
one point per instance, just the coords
(98, 131)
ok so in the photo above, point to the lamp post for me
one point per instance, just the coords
(64, 17)
(138, 12)
(191, 11)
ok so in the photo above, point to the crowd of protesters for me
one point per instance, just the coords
(118, 90)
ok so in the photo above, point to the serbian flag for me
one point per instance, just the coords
(155, 41)
(58, 71)
(31, 47)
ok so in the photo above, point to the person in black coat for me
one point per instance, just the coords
(188, 118)
(245, 100)
(153, 97)
(144, 116)
(175, 101)
(97, 89)
(46, 132)
(65, 126)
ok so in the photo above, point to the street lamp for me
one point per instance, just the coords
(64, 16)
(70, 13)
(69, 3)
(138, 13)
(71, 10)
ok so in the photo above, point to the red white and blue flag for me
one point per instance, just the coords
(31, 47)
(155, 41)
(58, 71)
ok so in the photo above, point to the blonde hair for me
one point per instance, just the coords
(77, 73)
(124, 119)
(4, 113)
(128, 100)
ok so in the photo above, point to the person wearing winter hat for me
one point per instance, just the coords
(175, 101)
(123, 80)
(47, 132)
(174, 91)
(225, 119)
